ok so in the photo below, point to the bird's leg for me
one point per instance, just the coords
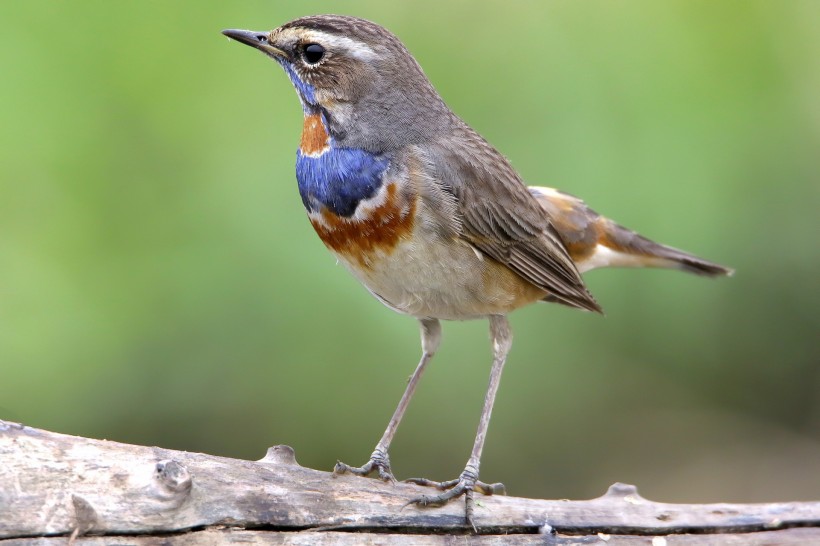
(379, 460)
(468, 482)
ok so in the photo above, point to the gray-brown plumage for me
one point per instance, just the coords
(500, 218)
(432, 219)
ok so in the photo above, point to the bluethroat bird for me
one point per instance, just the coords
(426, 214)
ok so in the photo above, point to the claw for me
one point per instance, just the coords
(483, 488)
(490, 488)
(466, 485)
(379, 462)
(430, 483)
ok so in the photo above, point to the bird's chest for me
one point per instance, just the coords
(356, 208)
(368, 212)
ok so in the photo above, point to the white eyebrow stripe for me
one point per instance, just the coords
(354, 48)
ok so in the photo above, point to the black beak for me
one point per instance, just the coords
(256, 39)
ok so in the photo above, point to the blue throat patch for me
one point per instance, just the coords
(339, 178)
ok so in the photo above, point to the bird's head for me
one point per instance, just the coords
(369, 88)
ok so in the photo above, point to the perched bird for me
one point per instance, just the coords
(432, 219)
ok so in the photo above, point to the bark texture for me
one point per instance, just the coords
(58, 489)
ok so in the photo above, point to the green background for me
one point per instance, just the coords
(160, 284)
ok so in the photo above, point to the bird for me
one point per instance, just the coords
(432, 219)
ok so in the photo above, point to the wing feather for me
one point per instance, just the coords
(500, 218)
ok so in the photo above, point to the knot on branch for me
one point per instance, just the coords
(624, 491)
(173, 478)
(280, 454)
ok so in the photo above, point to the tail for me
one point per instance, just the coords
(595, 241)
(621, 247)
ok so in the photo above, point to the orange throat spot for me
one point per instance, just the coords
(315, 139)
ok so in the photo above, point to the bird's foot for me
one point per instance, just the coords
(379, 462)
(466, 485)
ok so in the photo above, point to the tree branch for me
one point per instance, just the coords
(96, 492)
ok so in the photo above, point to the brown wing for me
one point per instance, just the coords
(500, 218)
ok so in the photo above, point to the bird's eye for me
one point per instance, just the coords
(314, 53)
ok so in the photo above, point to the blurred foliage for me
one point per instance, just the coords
(159, 282)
